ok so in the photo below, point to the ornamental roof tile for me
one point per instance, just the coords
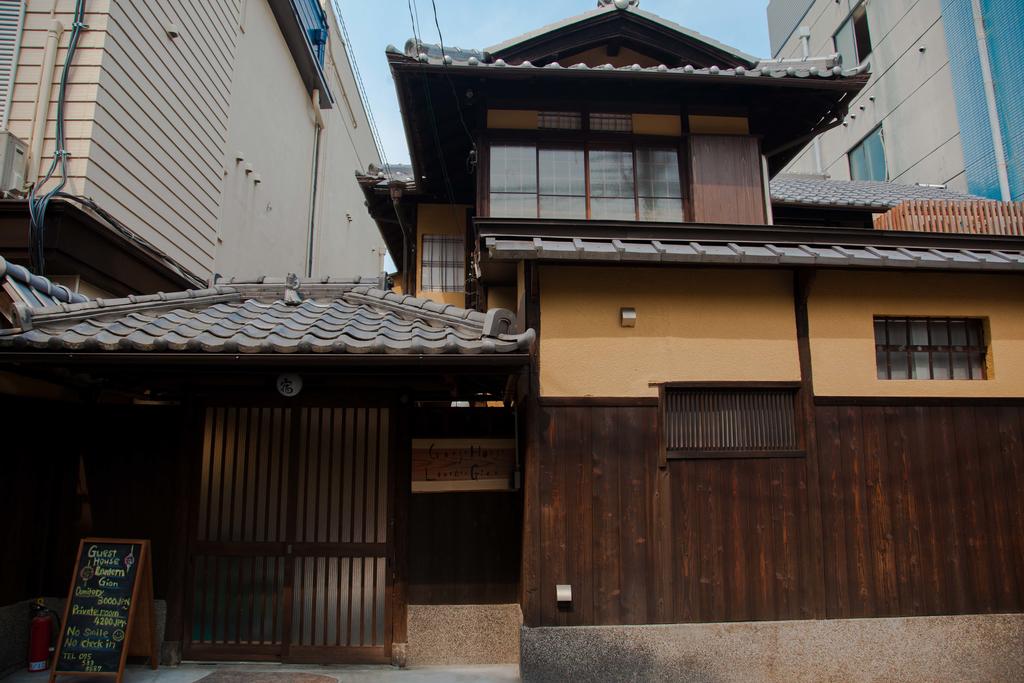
(269, 316)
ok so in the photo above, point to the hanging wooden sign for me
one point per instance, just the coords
(440, 465)
(109, 613)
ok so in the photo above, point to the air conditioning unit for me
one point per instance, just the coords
(13, 159)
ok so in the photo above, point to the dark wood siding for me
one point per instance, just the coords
(464, 548)
(922, 509)
(727, 183)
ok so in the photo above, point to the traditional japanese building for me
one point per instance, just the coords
(636, 406)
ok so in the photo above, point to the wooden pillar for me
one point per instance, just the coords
(802, 280)
(530, 412)
(399, 503)
(179, 579)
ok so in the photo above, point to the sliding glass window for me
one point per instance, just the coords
(563, 185)
(625, 183)
(514, 181)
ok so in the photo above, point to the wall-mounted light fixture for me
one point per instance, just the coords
(563, 594)
(627, 317)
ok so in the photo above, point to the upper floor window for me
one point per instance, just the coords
(444, 265)
(930, 348)
(597, 181)
(853, 39)
(867, 159)
(617, 123)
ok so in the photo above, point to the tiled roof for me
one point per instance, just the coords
(829, 67)
(34, 290)
(757, 253)
(270, 316)
(818, 191)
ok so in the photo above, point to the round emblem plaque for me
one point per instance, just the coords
(289, 386)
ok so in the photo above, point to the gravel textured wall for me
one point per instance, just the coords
(960, 648)
(463, 634)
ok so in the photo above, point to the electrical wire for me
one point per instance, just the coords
(37, 204)
(471, 162)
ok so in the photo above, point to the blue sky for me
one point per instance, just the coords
(373, 24)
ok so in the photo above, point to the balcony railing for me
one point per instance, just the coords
(314, 23)
(971, 218)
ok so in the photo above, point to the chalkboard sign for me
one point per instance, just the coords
(109, 612)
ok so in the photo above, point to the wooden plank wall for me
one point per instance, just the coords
(922, 507)
(727, 182)
(464, 548)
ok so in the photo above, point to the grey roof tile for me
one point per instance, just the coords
(824, 254)
(334, 316)
(882, 196)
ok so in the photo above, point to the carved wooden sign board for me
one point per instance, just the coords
(109, 613)
(446, 465)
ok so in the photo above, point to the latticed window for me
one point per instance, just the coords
(617, 123)
(560, 120)
(930, 348)
(721, 422)
(444, 264)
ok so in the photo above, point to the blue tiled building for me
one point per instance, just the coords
(1000, 45)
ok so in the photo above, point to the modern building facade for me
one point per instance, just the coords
(940, 107)
(221, 137)
(643, 410)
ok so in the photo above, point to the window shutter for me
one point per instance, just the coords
(707, 421)
(10, 27)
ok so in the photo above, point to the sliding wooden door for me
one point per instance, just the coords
(292, 552)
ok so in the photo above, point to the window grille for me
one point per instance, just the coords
(703, 421)
(444, 264)
(930, 348)
(560, 120)
(617, 123)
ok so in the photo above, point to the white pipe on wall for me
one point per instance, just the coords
(990, 100)
(14, 66)
(43, 100)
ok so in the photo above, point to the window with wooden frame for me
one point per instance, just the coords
(908, 348)
(589, 180)
(444, 264)
(719, 421)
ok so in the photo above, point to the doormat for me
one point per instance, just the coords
(265, 677)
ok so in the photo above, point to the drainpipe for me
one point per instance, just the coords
(990, 99)
(319, 126)
(805, 45)
(43, 101)
(14, 66)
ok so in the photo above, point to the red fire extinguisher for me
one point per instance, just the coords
(42, 636)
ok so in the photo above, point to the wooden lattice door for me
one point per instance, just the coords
(291, 556)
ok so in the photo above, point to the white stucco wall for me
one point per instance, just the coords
(265, 225)
(910, 93)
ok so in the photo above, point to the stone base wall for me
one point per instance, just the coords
(956, 648)
(463, 634)
(14, 625)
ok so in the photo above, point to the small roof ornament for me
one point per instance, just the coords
(619, 4)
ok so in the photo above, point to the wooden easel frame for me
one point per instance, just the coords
(136, 644)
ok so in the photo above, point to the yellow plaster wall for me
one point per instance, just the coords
(657, 124)
(438, 219)
(693, 325)
(512, 119)
(502, 297)
(719, 125)
(842, 306)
